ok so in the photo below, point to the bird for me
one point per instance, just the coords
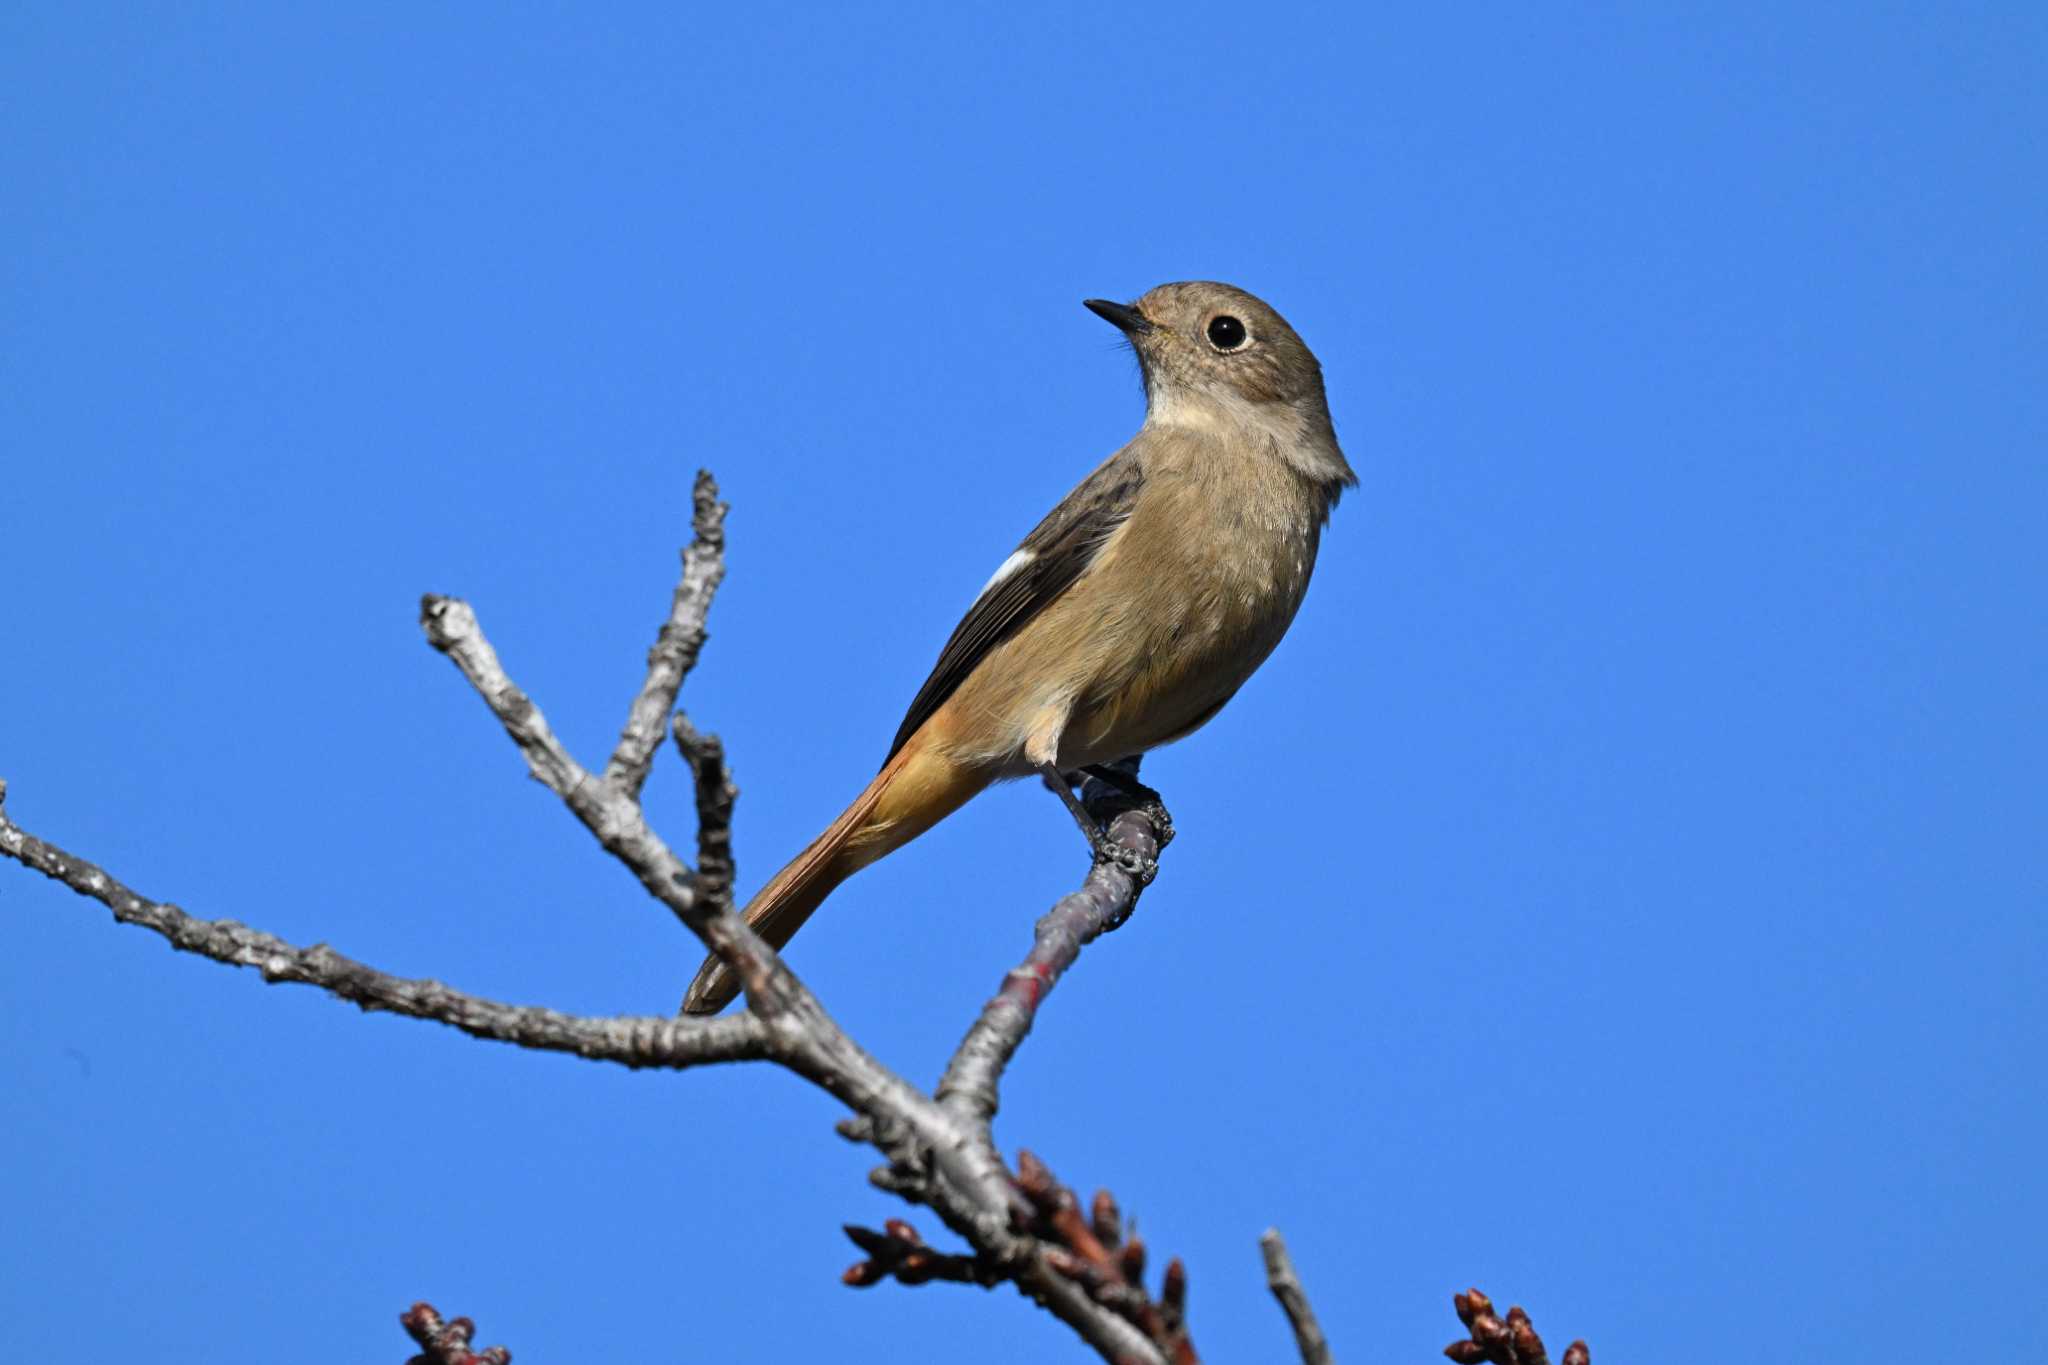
(1129, 615)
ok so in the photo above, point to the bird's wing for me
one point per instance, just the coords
(1044, 566)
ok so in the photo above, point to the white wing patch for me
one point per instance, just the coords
(1009, 566)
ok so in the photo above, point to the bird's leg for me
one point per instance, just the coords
(1103, 848)
(1042, 752)
(1123, 775)
(1062, 785)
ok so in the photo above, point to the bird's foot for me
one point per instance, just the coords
(1144, 799)
(1139, 868)
(1104, 848)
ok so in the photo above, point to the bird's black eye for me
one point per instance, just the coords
(1226, 333)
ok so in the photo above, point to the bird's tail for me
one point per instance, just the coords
(914, 791)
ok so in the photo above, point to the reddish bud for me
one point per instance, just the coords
(861, 1274)
(1108, 1219)
(1173, 1293)
(1131, 1259)
(1577, 1354)
(1037, 1182)
(1465, 1352)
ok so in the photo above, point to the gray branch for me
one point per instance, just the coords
(1023, 1228)
(1105, 899)
(644, 1041)
(959, 1176)
(716, 794)
(1286, 1287)
(678, 643)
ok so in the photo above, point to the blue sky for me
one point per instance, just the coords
(1622, 890)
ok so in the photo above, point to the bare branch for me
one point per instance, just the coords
(1286, 1287)
(446, 1342)
(1025, 1229)
(969, 1189)
(644, 1041)
(940, 1153)
(452, 628)
(677, 644)
(716, 793)
(1104, 901)
(605, 809)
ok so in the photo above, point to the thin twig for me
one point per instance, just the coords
(677, 644)
(1286, 1287)
(643, 1041)
(605, 808)
(970, 1190)
(1104, 900)
(716, 793)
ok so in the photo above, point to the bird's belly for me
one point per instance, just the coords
(1180, 677)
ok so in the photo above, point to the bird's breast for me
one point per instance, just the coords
(1211, 578)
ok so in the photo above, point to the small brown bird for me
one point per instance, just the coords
(1134, 610)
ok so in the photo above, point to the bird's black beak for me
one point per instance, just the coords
(1124, 317)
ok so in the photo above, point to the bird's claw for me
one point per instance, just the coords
(1142, 798)
(1138, 867)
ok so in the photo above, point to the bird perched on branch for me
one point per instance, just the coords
(1130, 615)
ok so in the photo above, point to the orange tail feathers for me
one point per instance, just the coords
(914, 791)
